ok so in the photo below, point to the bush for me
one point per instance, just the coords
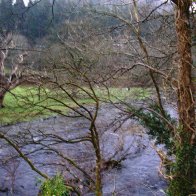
(54, 187)
(157, 127)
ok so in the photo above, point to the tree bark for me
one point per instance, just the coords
(2, 96)
(98, 183)
(98, 177)
(1, 102)
(185, 87)
(184, 169)
(194, 55)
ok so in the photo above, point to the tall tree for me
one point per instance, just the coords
(183, 168)
(184, 172)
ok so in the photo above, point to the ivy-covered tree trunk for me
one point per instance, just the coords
(183, 170)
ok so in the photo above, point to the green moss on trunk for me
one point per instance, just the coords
(184, 169)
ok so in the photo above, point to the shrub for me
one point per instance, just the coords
(54, 187)
(157, 127)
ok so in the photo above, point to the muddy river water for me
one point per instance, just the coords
(137, 174)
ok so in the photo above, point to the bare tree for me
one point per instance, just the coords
(15, 77)
(184, 134)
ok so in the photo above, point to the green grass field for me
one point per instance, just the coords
(28, 103)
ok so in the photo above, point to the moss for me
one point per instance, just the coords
(183, 169)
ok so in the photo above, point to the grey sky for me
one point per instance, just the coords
(26, 2)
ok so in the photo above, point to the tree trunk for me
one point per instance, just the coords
(185, 86)
(2, 96)
(98, 177)
(194, 56)
(95, 142)
(183, 170)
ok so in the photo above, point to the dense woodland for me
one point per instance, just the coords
(76, 75)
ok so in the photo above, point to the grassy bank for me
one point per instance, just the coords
(28, 103)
